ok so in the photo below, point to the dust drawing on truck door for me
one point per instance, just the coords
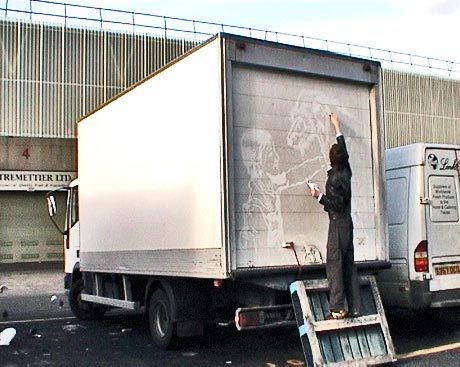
(281, 138)
(308, 138)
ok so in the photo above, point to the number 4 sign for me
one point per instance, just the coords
(26, 153)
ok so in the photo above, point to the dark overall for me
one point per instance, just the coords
(340, 266)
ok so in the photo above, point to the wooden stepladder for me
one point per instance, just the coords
(359, 341)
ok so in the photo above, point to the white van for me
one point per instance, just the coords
(424, 229)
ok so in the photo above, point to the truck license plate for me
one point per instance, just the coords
(447, 269)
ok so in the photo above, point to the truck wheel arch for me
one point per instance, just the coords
(155, 283)
(76, 274)
(187, 301)
(187, 298)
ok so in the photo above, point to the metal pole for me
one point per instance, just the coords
(134, 23)
(194, 29)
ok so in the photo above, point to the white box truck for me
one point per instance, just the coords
(191, 201)
(424, 229)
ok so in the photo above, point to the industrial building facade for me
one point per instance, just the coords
(51, 76)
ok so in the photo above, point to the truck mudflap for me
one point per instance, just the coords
(264, 317)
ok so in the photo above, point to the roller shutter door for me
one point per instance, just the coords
(26, 231)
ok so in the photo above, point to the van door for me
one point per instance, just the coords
(442, 217)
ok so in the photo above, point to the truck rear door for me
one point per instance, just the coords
(442, 217)
(282, 137)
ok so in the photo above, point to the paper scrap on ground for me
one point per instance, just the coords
(7, 335)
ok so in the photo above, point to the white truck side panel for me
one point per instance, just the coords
(150, 167)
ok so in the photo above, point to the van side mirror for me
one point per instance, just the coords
(52, 207)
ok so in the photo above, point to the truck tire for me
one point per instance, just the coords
(162, 326)
(83, 310)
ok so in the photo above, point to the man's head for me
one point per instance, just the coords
(337, 156)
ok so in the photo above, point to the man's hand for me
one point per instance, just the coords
(335, 121)
(314, 192)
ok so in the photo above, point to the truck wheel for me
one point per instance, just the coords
(162, 327)
(83, 310)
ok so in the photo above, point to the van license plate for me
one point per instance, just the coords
(447, 269)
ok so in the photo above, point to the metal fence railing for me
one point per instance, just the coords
(130, 21)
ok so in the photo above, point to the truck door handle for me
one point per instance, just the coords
(424, 201)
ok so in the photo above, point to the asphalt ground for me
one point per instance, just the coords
(31, 296)
(29, 279)
(37, 292)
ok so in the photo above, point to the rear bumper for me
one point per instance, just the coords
(422, 298)
(368, 266)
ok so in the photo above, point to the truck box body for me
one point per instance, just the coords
(424, 226)
(200, 170)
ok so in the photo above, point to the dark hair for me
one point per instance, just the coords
(337, 156)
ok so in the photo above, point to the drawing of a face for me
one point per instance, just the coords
(309, 125)
(259, 153)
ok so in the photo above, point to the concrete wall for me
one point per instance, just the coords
(37, 154)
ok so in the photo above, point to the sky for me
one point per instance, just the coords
(419, 27)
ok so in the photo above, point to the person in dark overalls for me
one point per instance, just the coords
(340, 265)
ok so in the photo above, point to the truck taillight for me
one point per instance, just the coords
(421, 257)
(264, 317)
(248, 319)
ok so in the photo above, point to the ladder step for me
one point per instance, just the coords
(346, 323)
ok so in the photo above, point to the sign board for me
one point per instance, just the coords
(34, 180)
(443, 199)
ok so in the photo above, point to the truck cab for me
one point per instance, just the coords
(70, 229)
(73, 279)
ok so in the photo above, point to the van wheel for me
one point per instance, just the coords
(83, 310)
(162, 327)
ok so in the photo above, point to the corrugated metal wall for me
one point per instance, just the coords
(50, 76)
(420, 108)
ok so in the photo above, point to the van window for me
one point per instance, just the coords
(443, 199)
(397, 194)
